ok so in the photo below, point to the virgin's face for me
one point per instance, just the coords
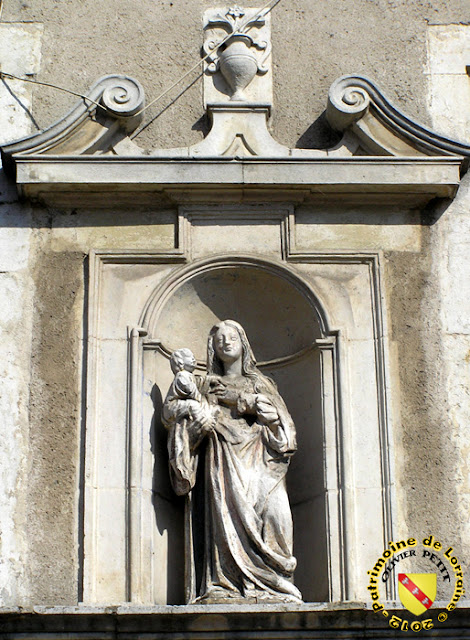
(227, 344)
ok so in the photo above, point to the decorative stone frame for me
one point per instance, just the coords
(115, 572)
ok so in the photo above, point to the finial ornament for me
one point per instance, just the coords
(235, 12)
(242, 55)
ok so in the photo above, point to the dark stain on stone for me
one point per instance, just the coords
(428, 474)
(54, 428)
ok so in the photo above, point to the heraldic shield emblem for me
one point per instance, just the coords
(417, 591)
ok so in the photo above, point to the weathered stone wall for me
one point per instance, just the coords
(313, 44)
(55, 425)
(43, 261)
(20, 46)
(448, 51)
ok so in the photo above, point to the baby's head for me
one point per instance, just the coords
(182, 359)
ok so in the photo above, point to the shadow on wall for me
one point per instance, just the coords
(319, 135)
(171, 518)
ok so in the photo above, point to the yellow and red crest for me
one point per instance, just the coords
(417, 591)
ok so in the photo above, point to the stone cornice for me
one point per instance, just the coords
(264, 621)
(418, 180)
(383, 154)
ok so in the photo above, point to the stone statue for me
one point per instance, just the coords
(184, 400)
(229, 448)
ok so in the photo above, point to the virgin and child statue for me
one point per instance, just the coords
(230, 439)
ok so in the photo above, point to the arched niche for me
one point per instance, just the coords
(288, 330)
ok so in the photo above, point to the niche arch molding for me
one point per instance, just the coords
(300, 352)
(277, 269)
(341, 290)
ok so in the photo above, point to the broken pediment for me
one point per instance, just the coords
(110, 111)
(382, 154)
(355, 104)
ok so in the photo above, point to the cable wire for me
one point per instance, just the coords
(3, 74)
(266, 9)
(193, 68)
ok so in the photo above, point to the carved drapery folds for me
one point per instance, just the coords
(234, 419)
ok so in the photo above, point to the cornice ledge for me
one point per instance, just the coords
(110, 111)
(63, 179)
(382, 152)
(355, 103)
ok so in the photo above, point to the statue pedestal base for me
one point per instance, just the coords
(225, 598)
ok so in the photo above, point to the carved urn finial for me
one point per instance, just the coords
(238, 64)
(241, 56)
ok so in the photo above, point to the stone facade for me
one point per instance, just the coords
(349, 202)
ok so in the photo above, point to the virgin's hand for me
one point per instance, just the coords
(228, 397)
(266, 411)
(225, 395)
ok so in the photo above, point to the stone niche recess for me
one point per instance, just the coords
(238, 229)
(143, 306)
(287, 330)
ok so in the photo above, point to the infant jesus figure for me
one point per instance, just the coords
(184, 400)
